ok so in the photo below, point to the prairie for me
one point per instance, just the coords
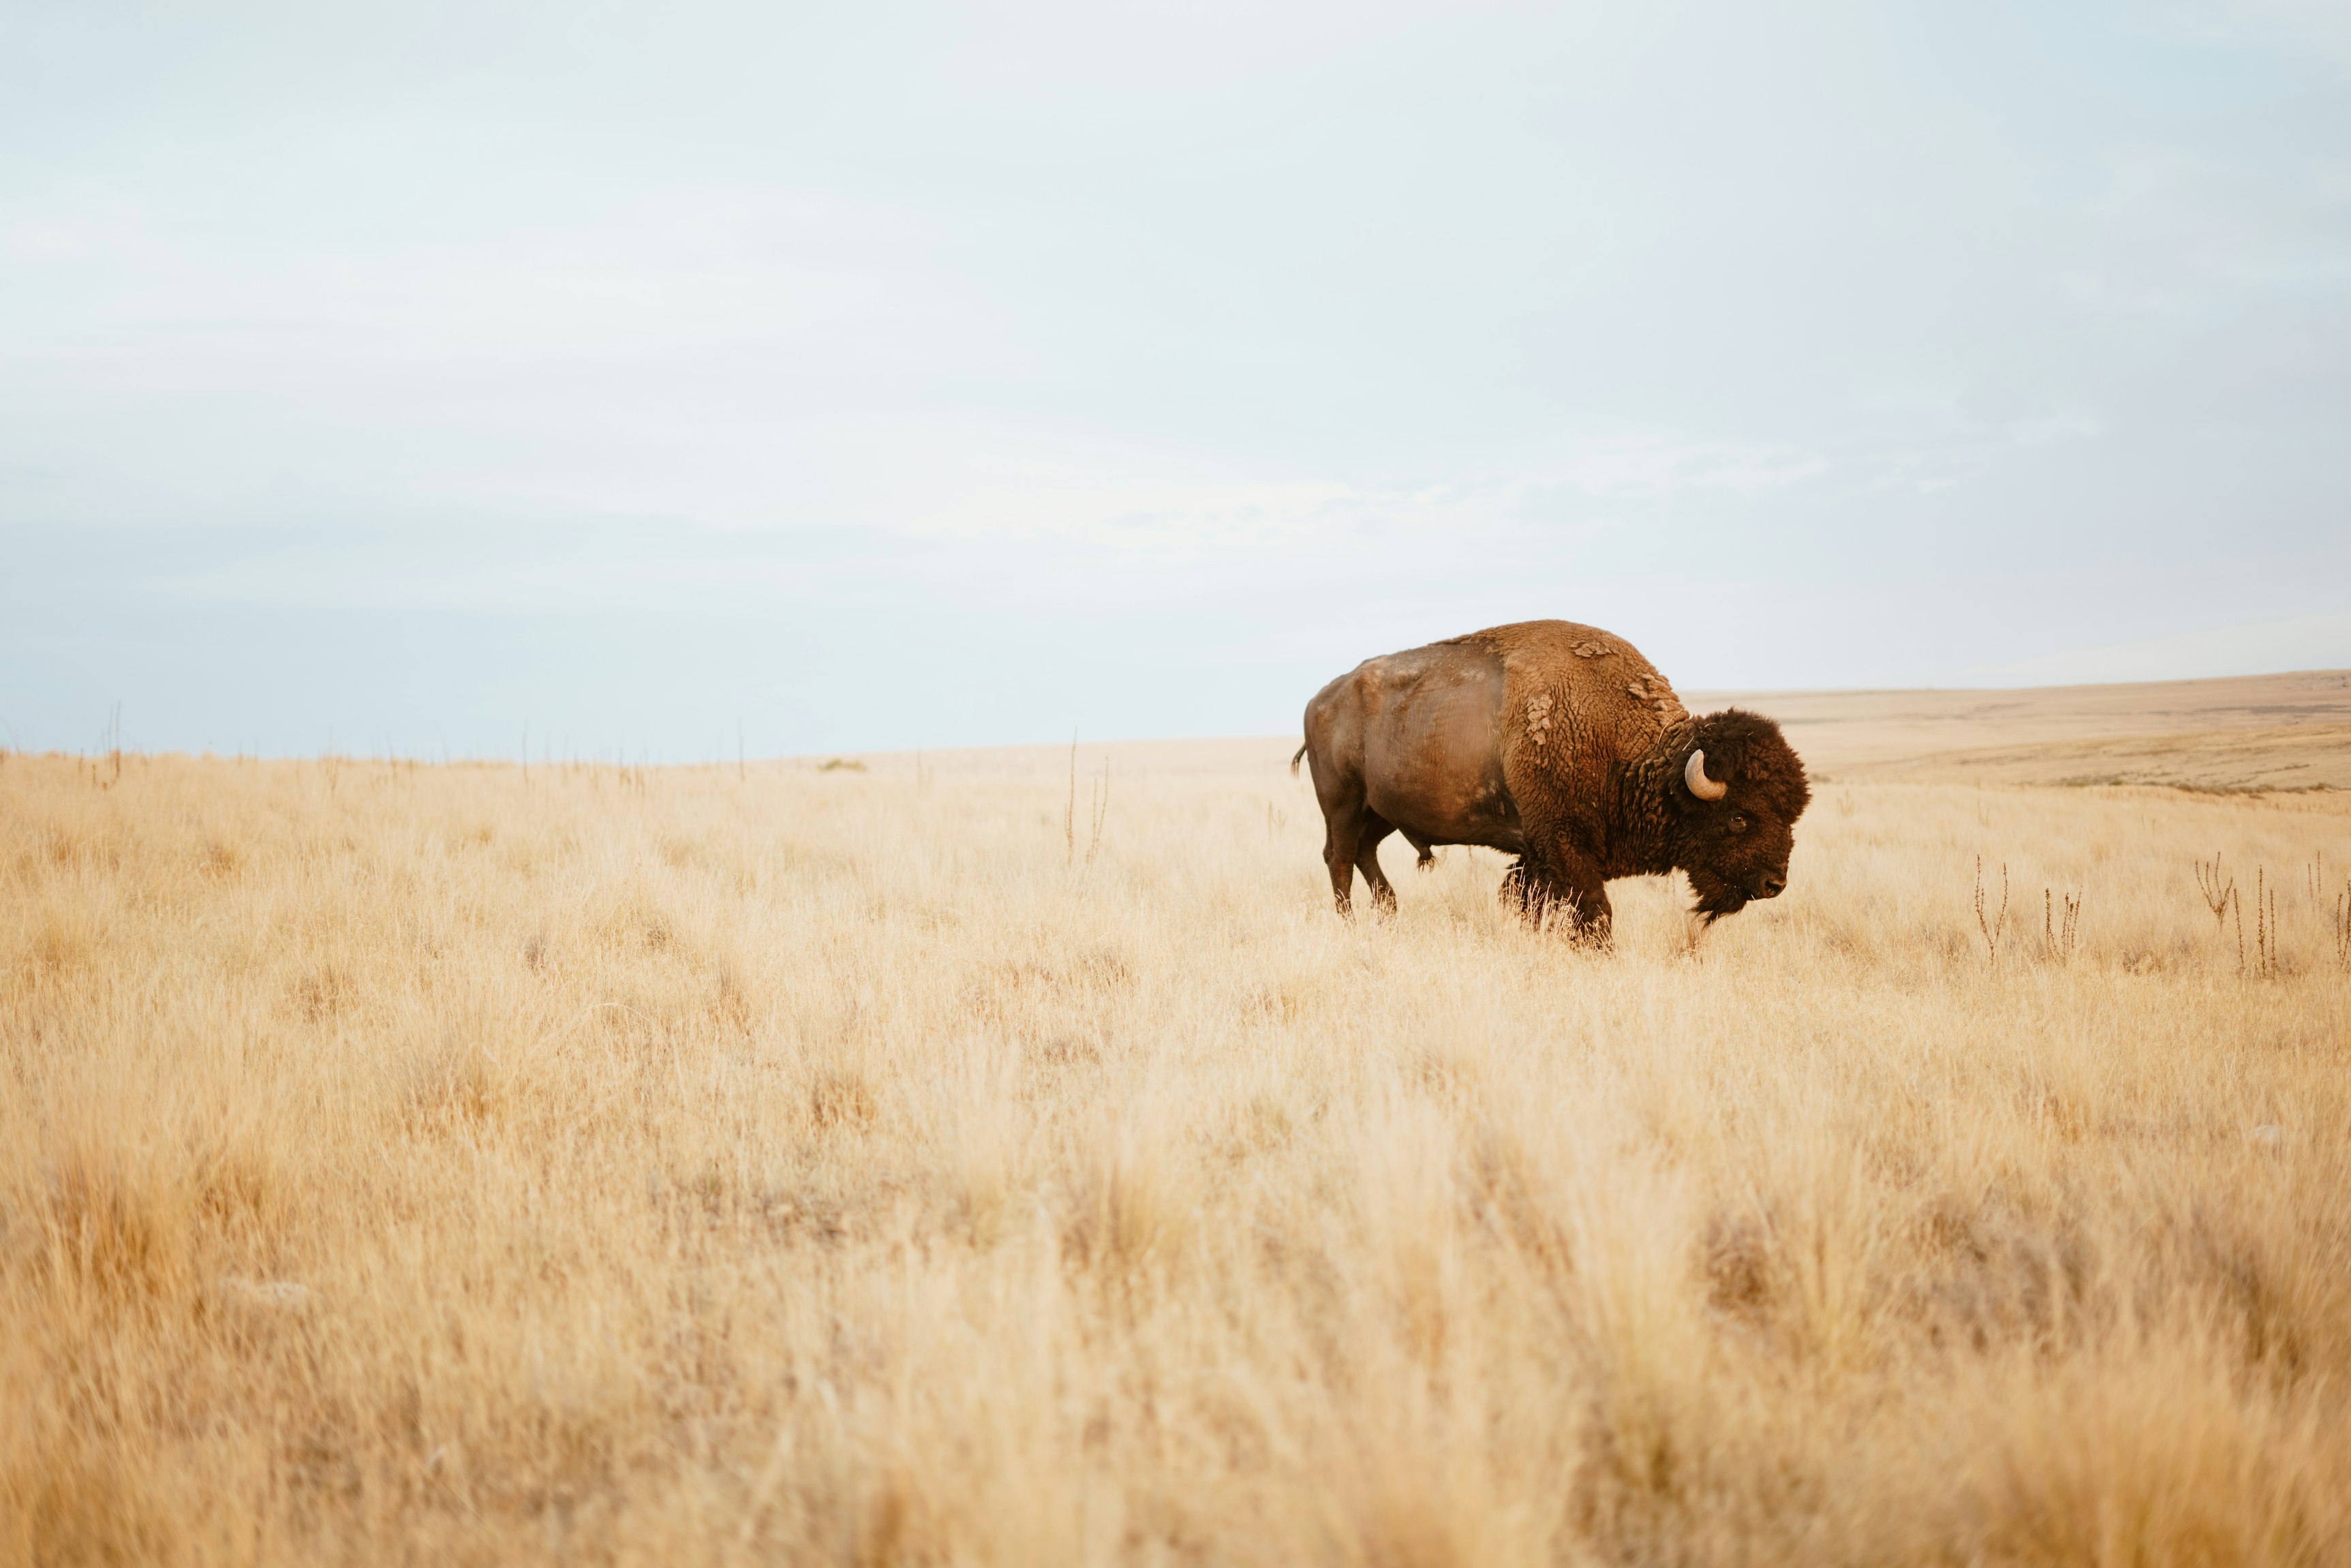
(888, 1164)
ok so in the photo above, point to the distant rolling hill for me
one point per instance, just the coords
(2245, 733)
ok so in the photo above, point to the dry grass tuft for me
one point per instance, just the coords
(839, 1167)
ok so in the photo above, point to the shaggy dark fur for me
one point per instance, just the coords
(1558, 743)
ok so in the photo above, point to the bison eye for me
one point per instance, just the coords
(1737, 821)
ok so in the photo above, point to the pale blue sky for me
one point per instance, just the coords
(897, 375)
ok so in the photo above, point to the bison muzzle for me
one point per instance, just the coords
(1559, 744)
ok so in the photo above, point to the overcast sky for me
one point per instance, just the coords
(888, 375)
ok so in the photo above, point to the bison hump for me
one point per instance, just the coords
(1576, 692)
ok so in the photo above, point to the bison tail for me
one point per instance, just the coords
(1294, 760)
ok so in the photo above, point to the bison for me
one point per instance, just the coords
(1559, 744)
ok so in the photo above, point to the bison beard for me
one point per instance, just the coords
(1716, 897)
(1560, 745)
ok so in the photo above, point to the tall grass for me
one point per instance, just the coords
(410, 1163)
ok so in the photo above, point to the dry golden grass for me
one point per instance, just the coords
(415, 1164)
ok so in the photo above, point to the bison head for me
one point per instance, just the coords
(1737, 789)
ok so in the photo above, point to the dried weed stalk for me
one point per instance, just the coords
(1100, 812)
(2265, 928)
(2216, 890)
(1098, 809)
(2060, 934)
(1995, 926)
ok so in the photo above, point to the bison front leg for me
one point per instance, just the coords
(1595, 920)
(1564, 886)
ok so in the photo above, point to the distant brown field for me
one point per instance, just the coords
(2251, 733)
(863, 1166)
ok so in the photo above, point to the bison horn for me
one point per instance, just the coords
(1694, 775)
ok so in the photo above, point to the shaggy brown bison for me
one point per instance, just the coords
(1560, 744)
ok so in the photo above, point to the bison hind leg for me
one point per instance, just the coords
(1367, 860)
